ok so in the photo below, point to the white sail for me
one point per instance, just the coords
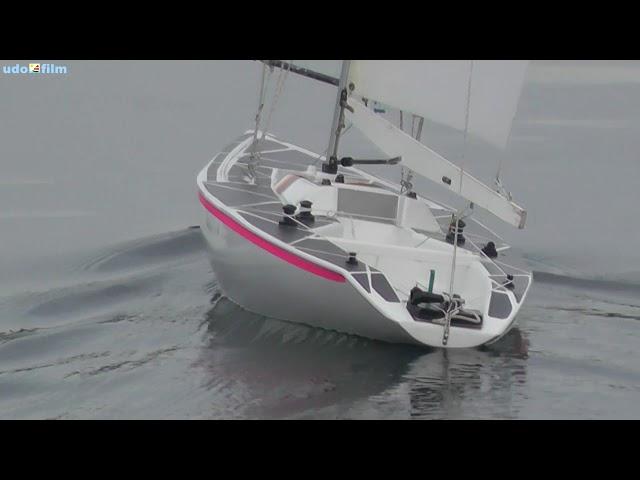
(427, 163)
(437, 90)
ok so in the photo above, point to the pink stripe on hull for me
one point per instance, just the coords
(269, 247)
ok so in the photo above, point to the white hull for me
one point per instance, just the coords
(266, 275)
(266, 285)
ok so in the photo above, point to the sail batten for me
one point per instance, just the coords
(437, 90)
(429, 164)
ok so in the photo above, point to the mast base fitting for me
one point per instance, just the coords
(339, 178)
(330, 167)
(412, 195)
(287, 221)
(351, 260)
(490, 250)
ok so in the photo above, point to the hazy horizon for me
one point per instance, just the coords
(109, 152)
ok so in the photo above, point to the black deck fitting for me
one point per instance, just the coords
(490, 250)
(451, 235)
(287, 221)
(305, 215)
(418, 296)
(351, 260)
(509, 283)
(331, 166)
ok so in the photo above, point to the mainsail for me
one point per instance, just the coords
(437, 90)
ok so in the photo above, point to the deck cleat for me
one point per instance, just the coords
(287, 221)
(304, 212)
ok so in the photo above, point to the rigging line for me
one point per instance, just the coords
(451, 310)
(282, 77)
(485, 256)
(466, 126)
(513, 267)
(326, 150)
(498, 181)
(254, 145)
(464, 147)
(264, 88)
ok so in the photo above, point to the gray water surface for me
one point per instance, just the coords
(109, 308)
(140, 331)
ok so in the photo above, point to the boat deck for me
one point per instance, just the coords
(227, 178)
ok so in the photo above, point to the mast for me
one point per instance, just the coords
(331, 166)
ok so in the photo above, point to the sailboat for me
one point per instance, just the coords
(317, 239)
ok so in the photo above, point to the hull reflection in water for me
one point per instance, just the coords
(280, 369)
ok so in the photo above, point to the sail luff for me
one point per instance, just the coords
(429, 164)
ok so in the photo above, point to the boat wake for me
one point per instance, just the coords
(145, 252)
